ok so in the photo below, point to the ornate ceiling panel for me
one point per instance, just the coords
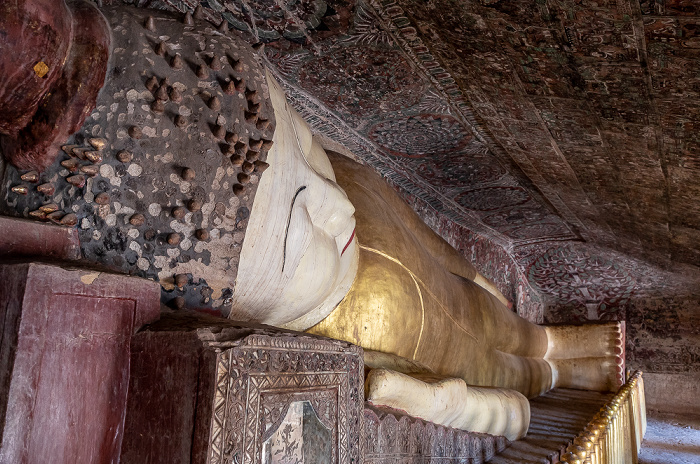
(531, 123)
(353, 74)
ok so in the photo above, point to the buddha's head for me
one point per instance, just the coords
(299, 255)
(193, 171)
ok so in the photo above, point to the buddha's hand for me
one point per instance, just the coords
(450, 402)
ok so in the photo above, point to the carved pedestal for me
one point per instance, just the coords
(393, 437)
(64, 361)
(208, 391)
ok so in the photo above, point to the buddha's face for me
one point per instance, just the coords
(299, 255)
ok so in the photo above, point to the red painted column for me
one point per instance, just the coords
(23, 238)
(64, 361)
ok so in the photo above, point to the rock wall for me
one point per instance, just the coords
(664, 335)
(663, 340)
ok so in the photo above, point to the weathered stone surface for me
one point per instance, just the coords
(664, 335)
(675, 393)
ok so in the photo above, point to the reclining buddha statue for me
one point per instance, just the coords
(174, 153)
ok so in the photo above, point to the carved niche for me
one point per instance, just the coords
(217, 392)
(260, 379)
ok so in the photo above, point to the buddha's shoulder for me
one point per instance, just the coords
(358, 179)
(378, 261)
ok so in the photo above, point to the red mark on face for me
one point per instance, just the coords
(349, 241)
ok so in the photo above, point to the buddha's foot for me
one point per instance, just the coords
(450, 402)
(587, 357)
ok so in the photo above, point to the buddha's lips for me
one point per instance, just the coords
(349, 241)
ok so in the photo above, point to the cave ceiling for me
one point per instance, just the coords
(567, 132)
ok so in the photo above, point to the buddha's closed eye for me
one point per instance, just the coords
(289, 219)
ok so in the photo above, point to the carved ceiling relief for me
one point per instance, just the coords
(437, 148)
(580, 280)
(673, 57)
(582, 148)
(529, 123)
(362, 80)
(471, 166)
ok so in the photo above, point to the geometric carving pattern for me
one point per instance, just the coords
(422, 135)
(258, 379)
(395, 438)
(460, 170)
(381, 80)
(513, 216)
(544, 229)
(493, 198)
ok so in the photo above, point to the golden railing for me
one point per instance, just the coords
(614, 435)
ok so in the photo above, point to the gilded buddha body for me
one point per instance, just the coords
(412, 295)
(397, 288)
(318, 243)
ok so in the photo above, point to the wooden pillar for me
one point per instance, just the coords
(64, 361)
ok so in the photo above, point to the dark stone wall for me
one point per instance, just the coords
(663, 340)
(663, 335)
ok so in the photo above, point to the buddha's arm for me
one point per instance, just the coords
(441, 252)
(449, 258)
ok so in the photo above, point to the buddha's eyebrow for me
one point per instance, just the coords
(289, 220)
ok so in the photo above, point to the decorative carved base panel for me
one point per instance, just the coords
(260, 379)
(397, 439)
(206, 390)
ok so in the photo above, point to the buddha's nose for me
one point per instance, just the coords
(330, 208)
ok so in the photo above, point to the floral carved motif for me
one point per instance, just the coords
(422, 135)
(259, 379)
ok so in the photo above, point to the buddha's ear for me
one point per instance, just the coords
(318, 160)
(303, 132)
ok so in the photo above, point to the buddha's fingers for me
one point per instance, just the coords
(450, 402)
